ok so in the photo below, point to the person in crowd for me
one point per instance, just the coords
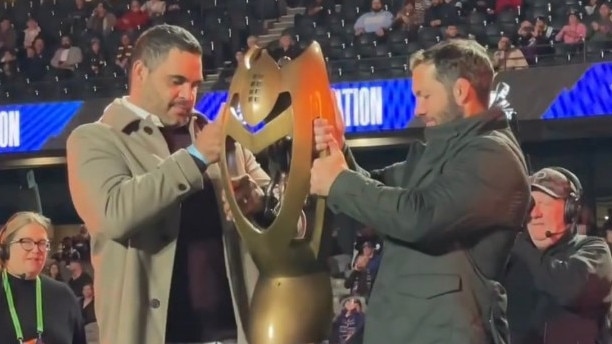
(141, 152)
(55, 272)
(448, 214)
(559, 282)
(66, 58)
(78, 277)
(87, 304)
(34, 308)
(364, 271)
(347, 327)
(102, 21)
(377, 20)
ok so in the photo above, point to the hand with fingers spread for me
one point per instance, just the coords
(249, 197)
(326, 169)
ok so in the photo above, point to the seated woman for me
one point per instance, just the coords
(34, 308)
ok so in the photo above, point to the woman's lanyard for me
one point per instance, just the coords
(11, 304)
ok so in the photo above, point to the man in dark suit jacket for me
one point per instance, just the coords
(448, 214)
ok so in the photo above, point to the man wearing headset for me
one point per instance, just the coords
(559, 282)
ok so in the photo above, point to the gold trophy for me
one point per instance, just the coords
(292, 301)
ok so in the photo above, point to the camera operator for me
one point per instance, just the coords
(558, 281)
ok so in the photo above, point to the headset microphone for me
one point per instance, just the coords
(550, 234)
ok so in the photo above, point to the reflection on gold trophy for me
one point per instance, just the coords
(292, 301)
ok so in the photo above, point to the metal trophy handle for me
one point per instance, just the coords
(292, 302)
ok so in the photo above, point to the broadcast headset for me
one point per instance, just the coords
(4, 246)
(573, 202)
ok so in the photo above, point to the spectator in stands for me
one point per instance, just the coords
(8, 37)
(54, 272)
(78, 277)
(155, 9)
(28, 296)
(364, 271)
(66, 58)
(507, 57)
(286, 48)
(534, 39)
(133, 19)
(452, 32)
(81, 244)
(87, 304)
(37, 61)
(367, 234)
(543, 32)
(441, 14)
(31, 32)
(574, 32)
(410, 16)
(348, 326)
(319, 10)
(239, 58)
(77, 17)
(8, 65)
(95, 62)
(590, 8)
(102, 21)
(376, 21)
(525, 34)
(601, 28)
(124, 54)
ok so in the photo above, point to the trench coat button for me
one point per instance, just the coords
(154, 303)
(182, 187)
(148, 130)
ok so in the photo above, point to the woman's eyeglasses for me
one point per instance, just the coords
(29, 244)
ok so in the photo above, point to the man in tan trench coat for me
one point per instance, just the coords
(135, 185)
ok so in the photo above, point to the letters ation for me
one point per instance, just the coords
(361, 106)
(10, 135)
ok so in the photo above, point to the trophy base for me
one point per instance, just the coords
(291, 310)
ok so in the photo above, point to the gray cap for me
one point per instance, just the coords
(552, 182)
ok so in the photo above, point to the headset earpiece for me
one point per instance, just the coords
(4, 249)
(573, 203)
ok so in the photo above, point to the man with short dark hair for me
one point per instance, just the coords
(145, 181)
(448, 214)
(559, 282)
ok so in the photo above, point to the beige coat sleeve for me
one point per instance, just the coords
(108, 197)
(254, 169)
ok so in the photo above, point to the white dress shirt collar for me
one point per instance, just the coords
(140, 112)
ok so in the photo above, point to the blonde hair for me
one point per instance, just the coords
(18, 221)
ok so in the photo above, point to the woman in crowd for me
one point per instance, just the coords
(54, 272)
(34, 308)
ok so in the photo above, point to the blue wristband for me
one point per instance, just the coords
(196, 154)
